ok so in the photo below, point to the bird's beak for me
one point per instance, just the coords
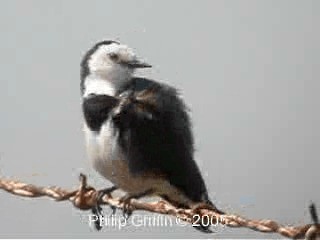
(138, 64)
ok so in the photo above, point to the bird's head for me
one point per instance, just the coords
(110, 61)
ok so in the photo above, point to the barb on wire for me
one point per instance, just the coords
(313, 232)
(85, 197)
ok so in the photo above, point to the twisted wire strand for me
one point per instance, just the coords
(85, 197)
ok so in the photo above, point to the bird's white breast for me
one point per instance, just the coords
(98, 86)
(108, 159)
(104, 151)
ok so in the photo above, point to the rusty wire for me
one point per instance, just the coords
(85, 197)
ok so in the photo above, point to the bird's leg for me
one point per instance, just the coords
(125, 99)
(126, 199)
(119, 113)
(129, 94)
(97, 210)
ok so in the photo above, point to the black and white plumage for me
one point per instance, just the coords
(138, 132)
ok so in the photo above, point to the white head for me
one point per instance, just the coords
(108, 66)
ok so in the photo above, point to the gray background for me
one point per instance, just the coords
(249, 71)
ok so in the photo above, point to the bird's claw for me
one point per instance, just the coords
(97, 209)
(114, 209)
(127, 209)
(127, 94)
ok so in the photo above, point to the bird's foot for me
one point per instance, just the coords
(97, 209)
(126, 200)
(114, 210)
(127, 208)
(129, 94)
(125, 99)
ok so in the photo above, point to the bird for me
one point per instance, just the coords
(138, 131)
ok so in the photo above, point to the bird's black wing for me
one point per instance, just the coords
(155, 134)
(96, 109)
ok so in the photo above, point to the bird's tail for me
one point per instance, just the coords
(205, 228)
(213, 207)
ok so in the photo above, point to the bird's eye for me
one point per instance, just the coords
(114, 57)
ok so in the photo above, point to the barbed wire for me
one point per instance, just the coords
(85, 197)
